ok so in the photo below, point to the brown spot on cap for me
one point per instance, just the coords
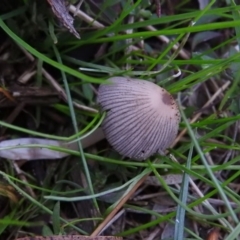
(142, 118)
(167, 98)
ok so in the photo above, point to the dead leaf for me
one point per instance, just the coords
(60, 10)
(11, 149)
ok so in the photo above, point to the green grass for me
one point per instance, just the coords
(207, 156)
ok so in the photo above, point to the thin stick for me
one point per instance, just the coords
(79, 13)
(56, 85)
(118, 207)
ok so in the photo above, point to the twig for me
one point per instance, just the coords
(22, 177)
(79, 13)
(118, 207)
(164, 39)
(56, 85)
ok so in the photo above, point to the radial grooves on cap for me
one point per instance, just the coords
(152, 141)
(134, 137)
(137, 139)
(125, 132)
(106, 99)
(119, 113)
(123, 106)
(172, 132)
(131, 122)
(122, 100)
(170, 138)
(121, 120)
(141, 119)
(162, 123)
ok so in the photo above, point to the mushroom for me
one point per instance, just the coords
(142, 118)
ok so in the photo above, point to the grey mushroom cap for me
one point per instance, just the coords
(142, 118)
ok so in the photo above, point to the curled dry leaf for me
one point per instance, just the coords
(17, 149)
(142, 118)
(14, 149)
(60, 10)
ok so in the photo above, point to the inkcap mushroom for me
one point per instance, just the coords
(142, 118)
